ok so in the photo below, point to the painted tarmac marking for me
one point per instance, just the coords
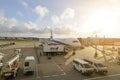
(54, 75)
(59, 68)
(46, 76)
(37, 72)
(102, 77)
(38, 77)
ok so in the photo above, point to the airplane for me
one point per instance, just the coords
(71, 42)
(60, 45)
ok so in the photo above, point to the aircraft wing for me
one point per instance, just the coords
(74, 42)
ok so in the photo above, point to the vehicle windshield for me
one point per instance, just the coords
(26, 63)
(118, 58)
(100, 65)
(87, 66)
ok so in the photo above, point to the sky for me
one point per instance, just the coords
(66, 18)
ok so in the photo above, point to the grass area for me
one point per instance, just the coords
(17, 40)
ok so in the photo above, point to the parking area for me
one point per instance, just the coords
(55, 69)
(60, 67)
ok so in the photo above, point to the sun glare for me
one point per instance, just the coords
(102, 21)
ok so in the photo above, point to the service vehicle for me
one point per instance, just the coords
(83, 66)
(19, 52)
(1, 62)
(10, 68)
(117, 59)
(99, 66)
(118, 50)
(53, 48)
(29, 64)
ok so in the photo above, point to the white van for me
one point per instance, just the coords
(99, 66)
(83, 66)
(117, 59)
(29, 64)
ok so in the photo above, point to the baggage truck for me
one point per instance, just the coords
(54, 48)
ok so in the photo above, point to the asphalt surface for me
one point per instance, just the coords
(59, 67)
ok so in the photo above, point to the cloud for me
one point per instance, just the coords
(10, 23)
(114, 1)
(41, 11)
(1, 17)
(25, 5)
(68, 13)
(10, 26)
(55, 19)
(62, 30)
(61, 22)
(20, 14)
(45, 30)
(30, 25)
(7, 22)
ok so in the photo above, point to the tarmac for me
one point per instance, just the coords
(59, 67)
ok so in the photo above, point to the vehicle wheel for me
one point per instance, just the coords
(96, 71)
(82, 73)
(118, 63)
(104, 73)
(74, 67)
(14, 74)
(1, 76)
(24, 73)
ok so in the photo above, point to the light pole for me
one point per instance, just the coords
(96, 54)
(104, 55)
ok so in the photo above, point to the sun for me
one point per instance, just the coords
(103, 22)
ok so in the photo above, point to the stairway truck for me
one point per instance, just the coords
(99, 66)
(10, 68)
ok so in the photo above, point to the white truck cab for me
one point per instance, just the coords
(1, 60)
(19, 52)
(83, 66)
(99, 66)
(1, 63)
(29, 64)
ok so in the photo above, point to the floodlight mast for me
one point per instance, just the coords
(51, 36)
